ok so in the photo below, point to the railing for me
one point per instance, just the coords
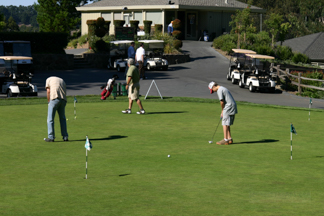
(285, 74)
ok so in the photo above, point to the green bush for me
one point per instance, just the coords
(283, 53)
(177, 44)
(147, 26)
(228, 46)
(300, 58)
(134, 24)
(177, 34)
(176, 24)
(264, 50)
(225, 43)
(119, 23)
(83, 39)
(91, 27)
(158, 28)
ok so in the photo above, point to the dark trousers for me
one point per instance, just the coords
(141, 69)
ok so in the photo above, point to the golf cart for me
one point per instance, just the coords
(237, 64)
(14, 80)
(258, 76)
(154, 52)
(118, 54)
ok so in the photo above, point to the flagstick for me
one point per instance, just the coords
(309, 112)
(86, 177)
(290, 145)
(74, 110)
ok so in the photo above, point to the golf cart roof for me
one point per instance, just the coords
(151, 41)
(246, 51)
(122, 42)
(258, 56)
(15, 58)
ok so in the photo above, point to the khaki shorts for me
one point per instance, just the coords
(133, 91)
(228, 120)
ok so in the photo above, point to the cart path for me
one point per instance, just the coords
(181, 80)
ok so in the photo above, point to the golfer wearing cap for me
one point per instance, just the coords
(229, 109)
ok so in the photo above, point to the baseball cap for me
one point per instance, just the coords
(210, 86)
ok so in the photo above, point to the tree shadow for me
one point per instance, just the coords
(256, 142)
(104, 138)
(152, 113)
(204, 57)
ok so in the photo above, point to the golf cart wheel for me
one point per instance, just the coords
(251, 88)
(10, 94)
(272, 89)
(165, 68)
(148, 67)
(234, 80)
(241, 84)
(228, 77)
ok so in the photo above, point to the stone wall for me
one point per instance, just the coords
(96, 60)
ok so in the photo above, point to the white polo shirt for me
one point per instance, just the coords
(139, 53)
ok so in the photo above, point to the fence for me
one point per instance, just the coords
(285, 74)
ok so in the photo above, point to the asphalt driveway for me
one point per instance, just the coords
(182, 80)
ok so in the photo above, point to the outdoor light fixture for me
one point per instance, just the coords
(171, 3)
(124, 8)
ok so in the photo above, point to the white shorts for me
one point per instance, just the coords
(228, 120)
(133, 91)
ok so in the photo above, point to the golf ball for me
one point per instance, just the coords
(210, 142)
(169, 155)
(67, 119)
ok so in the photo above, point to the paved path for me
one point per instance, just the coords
(184, 80)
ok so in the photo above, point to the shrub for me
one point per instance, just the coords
(177, 44)
(177, 34)
(158, 28)
(228, 45)
(147, 26)
(264, 50)
(176, 24)
(83, 39)
(219, 41)
(283, 53)
(300, 58)
(119, 23)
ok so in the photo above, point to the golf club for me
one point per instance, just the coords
(215, 131)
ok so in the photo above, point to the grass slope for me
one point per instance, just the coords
(130, 173)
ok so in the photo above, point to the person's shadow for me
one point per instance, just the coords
(104, 138)
(256, 142)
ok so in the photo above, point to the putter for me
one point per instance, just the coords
(215, 131)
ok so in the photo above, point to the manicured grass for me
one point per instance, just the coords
(129, 172)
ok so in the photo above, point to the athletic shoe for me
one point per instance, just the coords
(48, 140)
(222, 142)
(230, 141)
(127, 111)
(65, 139)
(141, 112)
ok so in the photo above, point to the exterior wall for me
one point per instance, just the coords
(154, 16)
(84, 18)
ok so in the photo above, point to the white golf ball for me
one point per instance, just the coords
(169, 155)
(210, 142)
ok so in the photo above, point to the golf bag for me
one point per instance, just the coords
(108, 88)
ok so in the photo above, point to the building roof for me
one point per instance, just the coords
(310, 45)
(175, 4)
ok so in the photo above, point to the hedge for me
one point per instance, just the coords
(41, 42)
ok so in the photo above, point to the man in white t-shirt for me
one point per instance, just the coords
(139, 57)
(56, 98)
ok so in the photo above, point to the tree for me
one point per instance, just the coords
(57, 15)
(2, 22)
(12, 25)
(273, 23)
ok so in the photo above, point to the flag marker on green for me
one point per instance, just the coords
(88, 147)
(292, 130)
(310, 106)
(75, 101)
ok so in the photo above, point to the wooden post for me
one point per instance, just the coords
(286, 78)
(299, 82)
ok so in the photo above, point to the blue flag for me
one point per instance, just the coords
(88, 144)
(292, 129)
(75, 100)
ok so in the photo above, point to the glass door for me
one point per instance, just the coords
(191, 25)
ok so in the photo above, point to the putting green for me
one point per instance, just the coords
(130, 173)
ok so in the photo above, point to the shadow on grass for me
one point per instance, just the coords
(256, 142)
(150, 113)
(105, 138)
(122, 175)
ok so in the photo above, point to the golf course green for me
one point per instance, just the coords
(130, 173)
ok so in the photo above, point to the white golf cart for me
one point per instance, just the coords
(13, 80)
(237, 64)
(258, 76)
(154, 55)
(118, 54)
